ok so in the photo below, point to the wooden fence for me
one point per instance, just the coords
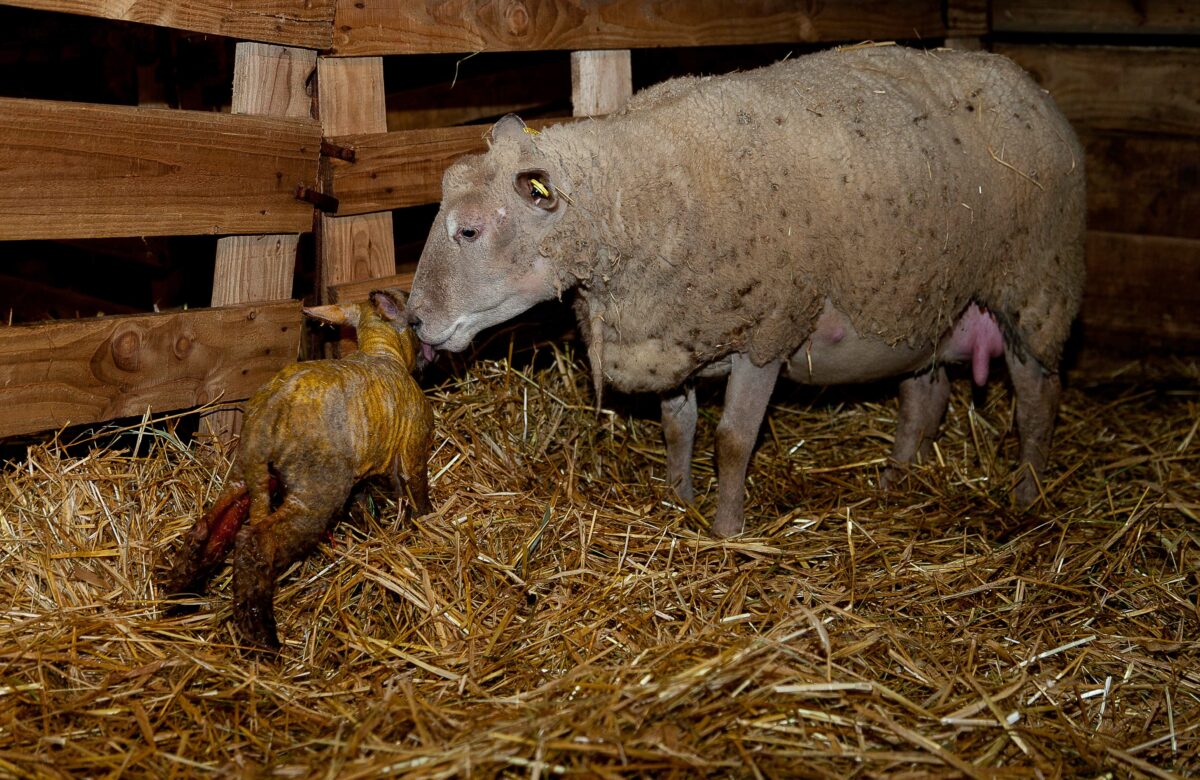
(308, 128)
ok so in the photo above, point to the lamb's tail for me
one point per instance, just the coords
(209, 541)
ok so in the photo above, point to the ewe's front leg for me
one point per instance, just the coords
(679, 430)
(746, 398)
(923, 401)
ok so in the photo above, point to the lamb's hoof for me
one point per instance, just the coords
(256, 625)
(180, 582)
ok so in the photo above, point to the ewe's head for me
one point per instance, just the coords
(481, 264)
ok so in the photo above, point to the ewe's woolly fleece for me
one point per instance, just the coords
(716, 214)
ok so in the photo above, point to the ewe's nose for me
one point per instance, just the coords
(412, 311)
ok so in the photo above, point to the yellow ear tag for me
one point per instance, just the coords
(531, 131)
(539, 188)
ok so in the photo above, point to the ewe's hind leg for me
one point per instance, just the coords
(923, 401)
(679, 430)
(746, 398)
(1036, 394)
(264, 551)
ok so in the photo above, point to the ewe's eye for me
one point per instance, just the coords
(466, 234)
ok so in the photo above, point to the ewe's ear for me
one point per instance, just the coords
(334, 314)
(389, 304)
(535, 188)
(510, 127)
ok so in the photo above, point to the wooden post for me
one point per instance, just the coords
(351, 99)
(273, 81)
(967, 21)
(601, 81)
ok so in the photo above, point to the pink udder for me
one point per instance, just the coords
(976, 337)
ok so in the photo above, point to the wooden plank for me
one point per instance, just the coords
(352, 99)
(273, 80)
(74, 170)
(1152, 17)
(83, 371)
(267, 81)
(354, 292)
(396, 170)
(1143, 184)
(303, 23)
(1141, 292)
(601, 81)
(1131, 89)
(254, 268)
(368, 27)
(968, 18)
(472, 96)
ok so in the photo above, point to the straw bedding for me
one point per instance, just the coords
(560, 614)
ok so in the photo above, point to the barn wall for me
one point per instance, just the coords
(1125, 74)
(151, 138)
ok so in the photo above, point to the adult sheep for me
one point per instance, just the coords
(840, 217)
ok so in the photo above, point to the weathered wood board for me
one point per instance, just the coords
(476, 95)
(404, 168)
(83, 371)
(1151, 17)
(1141, 292)
(601, 81)
(1127, 88)
(353, 292)
(967, 18)
(1143, 183)
(369, 27)
(74, 170)
(304, 23)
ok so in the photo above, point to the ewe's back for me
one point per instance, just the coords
(898, 183)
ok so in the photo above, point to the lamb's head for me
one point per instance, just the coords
(380, 323)
(481, 264)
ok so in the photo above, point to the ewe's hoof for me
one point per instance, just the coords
(723, 529)
(1027, 492)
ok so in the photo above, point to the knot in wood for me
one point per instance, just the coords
(183, 346)
(517, 17)
(126, 349)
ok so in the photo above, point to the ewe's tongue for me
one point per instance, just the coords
(428, 352)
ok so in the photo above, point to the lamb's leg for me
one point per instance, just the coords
(746, 398)
(264, 551)
(679, 429)
(1036, 394)
(207, 544)
(411, 480)
(923, 401)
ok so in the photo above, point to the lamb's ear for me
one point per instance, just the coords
(334, 314)
(535, 188)
(510, 127)
(389, 303)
